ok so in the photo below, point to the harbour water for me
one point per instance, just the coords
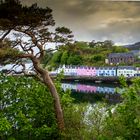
(92, 92)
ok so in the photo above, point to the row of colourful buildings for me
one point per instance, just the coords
(127, 71)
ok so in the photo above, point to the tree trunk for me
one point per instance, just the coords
(49, 83)
(58, 110)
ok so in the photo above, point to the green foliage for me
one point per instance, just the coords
(122, 81)
(64, 57)
(13, 14)
(97, 58)
(63, 35)
(67, 57)
(83, 53)
(108, 44)
(74, 60)
(33, 22)
(7, 54)
(103, 122)
(80, 97)
(4, 125)
(26, 110)
(63, 30)
(66, 99)
(137, 64)
(56, 59)
(47, 58)
(84, 121)
(124, 121)
(27, 113)
(81, 44)
(74, 122)
(119, 49)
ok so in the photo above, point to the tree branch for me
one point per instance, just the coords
(26, 49)
(3, 37)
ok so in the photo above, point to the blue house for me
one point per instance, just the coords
(106, 71)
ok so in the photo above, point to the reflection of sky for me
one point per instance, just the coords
(88, 88)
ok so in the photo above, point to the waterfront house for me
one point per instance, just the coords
(137, 73)
(73, 70)
(67, 70)
(106, 71)
(118, 58)
(127, 71)
(86, 71)
(58, 70)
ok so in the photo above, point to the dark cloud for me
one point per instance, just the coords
(92, 19)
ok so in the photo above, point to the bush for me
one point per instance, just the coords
(26, 110)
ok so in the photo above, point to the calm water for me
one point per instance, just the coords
(92, 92)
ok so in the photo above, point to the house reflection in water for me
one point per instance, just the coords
(88, 88)
(67, 86)
(109, 93)
(105, 90)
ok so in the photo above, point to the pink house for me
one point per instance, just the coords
(86, 71)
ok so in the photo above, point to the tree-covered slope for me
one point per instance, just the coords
(84, 53)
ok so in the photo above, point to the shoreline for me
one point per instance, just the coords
(95, 79)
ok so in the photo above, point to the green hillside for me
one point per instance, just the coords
(83, 53)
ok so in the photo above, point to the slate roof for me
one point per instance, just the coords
(126, 67)
(121, 54)
(106, 68)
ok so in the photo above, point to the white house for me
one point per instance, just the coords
(126, 71)
(137, 71)
(57, 71)
(67, 70)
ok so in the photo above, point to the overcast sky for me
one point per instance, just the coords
(97, 20)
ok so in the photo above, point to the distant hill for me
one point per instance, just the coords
(135, 46)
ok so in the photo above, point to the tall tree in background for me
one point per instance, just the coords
(30, 28)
